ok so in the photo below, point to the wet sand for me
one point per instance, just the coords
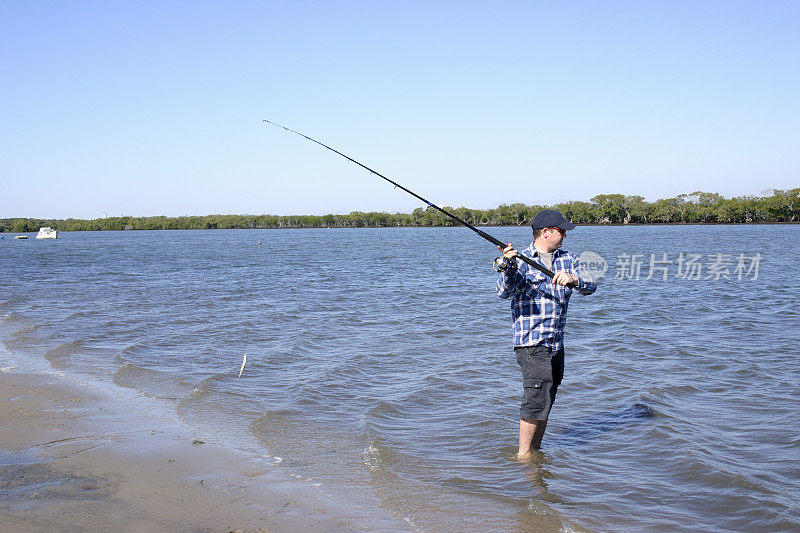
(70, 459)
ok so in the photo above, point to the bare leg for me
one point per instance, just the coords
(530, 435)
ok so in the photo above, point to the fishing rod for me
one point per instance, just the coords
(483, 234)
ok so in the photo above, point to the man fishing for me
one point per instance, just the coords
(539, 312)
(539, 305)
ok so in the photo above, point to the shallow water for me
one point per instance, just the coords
(379, 365)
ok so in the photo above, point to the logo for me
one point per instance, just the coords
(594, 264)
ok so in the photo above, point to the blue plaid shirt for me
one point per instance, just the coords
(539, 307)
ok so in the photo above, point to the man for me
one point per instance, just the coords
(539, 312)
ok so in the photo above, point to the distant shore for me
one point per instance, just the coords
(605, 209)
(585, 224)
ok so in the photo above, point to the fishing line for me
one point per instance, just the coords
(483, 234)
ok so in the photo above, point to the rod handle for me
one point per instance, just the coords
(526, 259)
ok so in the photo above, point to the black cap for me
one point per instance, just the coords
(550, 218)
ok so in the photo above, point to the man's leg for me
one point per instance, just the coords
(530, 435)
(541, 376)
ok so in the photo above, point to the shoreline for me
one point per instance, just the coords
(70, 458)
(402, 226)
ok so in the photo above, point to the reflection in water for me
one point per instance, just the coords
(538, 515)
(536, 471)
(593, 426)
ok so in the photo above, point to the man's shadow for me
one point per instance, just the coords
(591, 427)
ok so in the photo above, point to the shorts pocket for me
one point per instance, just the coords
(534, 393)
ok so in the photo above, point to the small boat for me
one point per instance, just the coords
(47, 233)
(20, 236)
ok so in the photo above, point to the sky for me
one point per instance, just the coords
(155, 108)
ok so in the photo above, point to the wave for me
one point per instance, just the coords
(63, 353)
(11, 301)
(24, 330)
(222, 403)
(134, 351)
(9, 317)
(152, 383)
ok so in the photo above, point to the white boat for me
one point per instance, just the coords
(20, 236)
(47, 233)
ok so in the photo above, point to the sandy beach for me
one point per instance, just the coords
(70, 459)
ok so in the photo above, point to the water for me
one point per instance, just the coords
(379, 365)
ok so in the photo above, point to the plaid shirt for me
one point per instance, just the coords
(539, 307)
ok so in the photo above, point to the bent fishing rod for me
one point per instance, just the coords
(483, 234)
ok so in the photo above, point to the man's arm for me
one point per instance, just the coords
(520, 279)
(510, 283)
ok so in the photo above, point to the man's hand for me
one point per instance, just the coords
(565, 279)
(508, 252)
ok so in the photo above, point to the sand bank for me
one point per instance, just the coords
(71, 459)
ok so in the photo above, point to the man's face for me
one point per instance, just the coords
(554, 237)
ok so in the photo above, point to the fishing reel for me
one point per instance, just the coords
(505, 265)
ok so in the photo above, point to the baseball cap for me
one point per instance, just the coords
(550, 218)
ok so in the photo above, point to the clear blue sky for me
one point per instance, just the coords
(151, 108)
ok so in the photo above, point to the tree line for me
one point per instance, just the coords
(697, 207)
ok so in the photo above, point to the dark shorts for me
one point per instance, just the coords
(542, 372)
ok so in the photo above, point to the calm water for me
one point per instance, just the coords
(380, 366)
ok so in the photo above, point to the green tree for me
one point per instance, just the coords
(610, 209)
